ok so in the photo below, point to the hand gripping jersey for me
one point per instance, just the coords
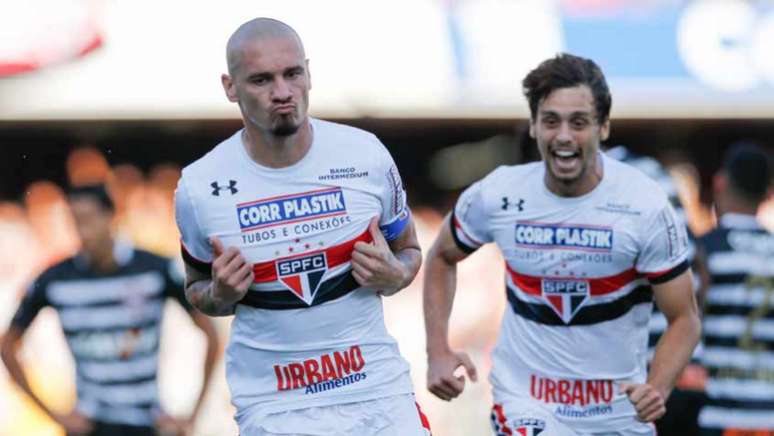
(305, 335)
(578, 271)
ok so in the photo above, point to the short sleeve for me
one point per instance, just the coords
(469, 223)
(34, 300)
(395, 211)
(664, 252)
(195, 247)
(175, 283)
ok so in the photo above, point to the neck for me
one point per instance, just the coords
(103, 260)
(275, 151)
(581, 186)
(729, 205)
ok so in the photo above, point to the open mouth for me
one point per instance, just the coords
(566, 159)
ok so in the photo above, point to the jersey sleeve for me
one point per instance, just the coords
(395, 211)
(195, 248)
(469, 223)
(664, 252)
(34, 300)
(174, 278)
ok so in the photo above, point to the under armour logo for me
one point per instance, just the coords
(217, 188)
(507, 204)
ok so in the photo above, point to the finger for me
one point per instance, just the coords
(359, 278)
(235, 264)
(636, 393)
(647, 413)
(244, 277)
(376, 233)
(441, 390)
(370, 250)
(626, 388)
(652, 416)
(470, 368)
(649, 403)
(217, 247)
(364, 260)
(440, 393)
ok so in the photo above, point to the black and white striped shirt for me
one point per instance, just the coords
(112, 324)
(739, 325)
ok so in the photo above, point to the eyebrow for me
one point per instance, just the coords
(570, 115)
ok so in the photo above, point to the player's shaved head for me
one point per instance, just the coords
(256, 29)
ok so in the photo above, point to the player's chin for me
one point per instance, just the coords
(285, 127)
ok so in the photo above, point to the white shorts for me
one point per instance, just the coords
(388, 416)
(530, 418)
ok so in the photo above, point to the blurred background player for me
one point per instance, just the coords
(109, 298)
(583, 263)
(739, 310)
(683, 404)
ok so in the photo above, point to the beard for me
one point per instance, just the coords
(285, 127)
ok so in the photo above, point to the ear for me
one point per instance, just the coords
(531, 128)
(308, 74)
(228, 87)
(719, 183)
(604, 130)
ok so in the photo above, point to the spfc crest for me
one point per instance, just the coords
(565, 296)
(303, 275)
(529, 426)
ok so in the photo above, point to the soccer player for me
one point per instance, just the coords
(110, 300)
(298, 227)
(588, 243)
(737, 322)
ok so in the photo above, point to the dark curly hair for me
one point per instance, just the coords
(566, 71)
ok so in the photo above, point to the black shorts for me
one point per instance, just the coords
(111, 429)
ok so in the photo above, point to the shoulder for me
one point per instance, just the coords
(633, 183)
(146, 259)
(213, 160)
(347, 138)
(508, 177)
(61, 270)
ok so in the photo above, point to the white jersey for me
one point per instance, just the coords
(578, 271)
(306, 334)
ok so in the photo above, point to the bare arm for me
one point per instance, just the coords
(218, 293)
(439, 289)
(213, 350)
(676, 300)
(9, 349)
(388, 267)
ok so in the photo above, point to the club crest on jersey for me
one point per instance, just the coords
(564, 236)
(303, 275)
(565, 296)
(284, 209)
(529, 426)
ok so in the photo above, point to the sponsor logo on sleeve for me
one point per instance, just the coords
(568, 237)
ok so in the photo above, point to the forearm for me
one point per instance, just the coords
(439, 289)
(673, 351)
(201, 296)
(213, 349)
(17, 375)
(409, 258)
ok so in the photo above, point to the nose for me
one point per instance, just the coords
(564, 135)
(281, 90)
